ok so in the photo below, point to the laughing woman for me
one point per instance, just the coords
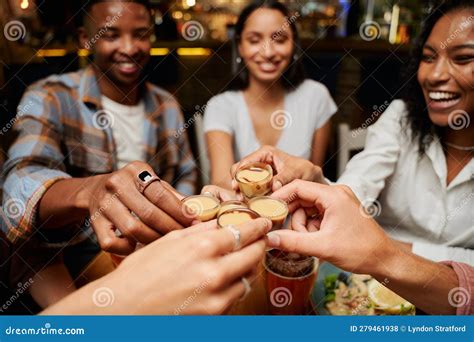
(418, 159)
(416, 172)
(269, 102)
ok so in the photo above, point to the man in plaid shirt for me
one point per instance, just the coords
(97, 148)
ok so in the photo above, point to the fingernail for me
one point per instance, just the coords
(273, 239)
(277, 185)
(268, 224)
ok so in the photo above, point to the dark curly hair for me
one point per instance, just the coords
(422, 128)
(293, 75)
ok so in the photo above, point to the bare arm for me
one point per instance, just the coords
(424, 283)
(340, 237)
(320, 144)
(221, 157)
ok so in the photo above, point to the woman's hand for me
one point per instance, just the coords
(287, 167)
(329, 222)
(194, 271)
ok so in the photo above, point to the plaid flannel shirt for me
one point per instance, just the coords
(59, 137)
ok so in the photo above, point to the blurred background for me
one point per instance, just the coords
(357, 48)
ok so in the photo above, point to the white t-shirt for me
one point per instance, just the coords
(307, 108)
(127, 130)
(411, 199)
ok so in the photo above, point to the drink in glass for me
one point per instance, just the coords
(272, 208)
(254, 179)
(204, 207)
(289, 279)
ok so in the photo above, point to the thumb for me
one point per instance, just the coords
(281, 179)
(296, 242)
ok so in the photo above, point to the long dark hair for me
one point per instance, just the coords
(422, 128)
(293, 75)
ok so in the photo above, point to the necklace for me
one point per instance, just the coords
(459, 147)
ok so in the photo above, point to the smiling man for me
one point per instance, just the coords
(94, 148)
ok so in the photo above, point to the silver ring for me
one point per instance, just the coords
(236, 233)
(144, 179)
(247, 287)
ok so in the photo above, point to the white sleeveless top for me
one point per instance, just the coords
(307, 108)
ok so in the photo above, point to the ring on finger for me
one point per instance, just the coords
(247, 287)
(144, 179)
(236, 233)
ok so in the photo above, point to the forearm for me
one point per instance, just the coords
(320, 144)
(65, 202)
(422, 282)
(92, 299)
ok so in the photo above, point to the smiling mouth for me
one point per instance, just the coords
(127, 67)
(443, 100)
(443, 96)
(268, 66)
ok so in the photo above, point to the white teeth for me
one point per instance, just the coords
(268, 66)
(438, 95)
(127, 65)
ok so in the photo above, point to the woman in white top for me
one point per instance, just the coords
(416, 173)
(417, 169)
(270, 103)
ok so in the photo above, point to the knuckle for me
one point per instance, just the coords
(112, 182)
(297, 183)
(146, 214)
(206, 245)
(132, 226)
(106, 244)
(135, 164)
(216, 305)
(217, 278)
(176, 234)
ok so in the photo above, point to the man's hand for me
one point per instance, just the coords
(287, 167)
(329, 223)
(114, 202)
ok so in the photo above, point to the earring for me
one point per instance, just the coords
(295, 56)
(238, 60)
